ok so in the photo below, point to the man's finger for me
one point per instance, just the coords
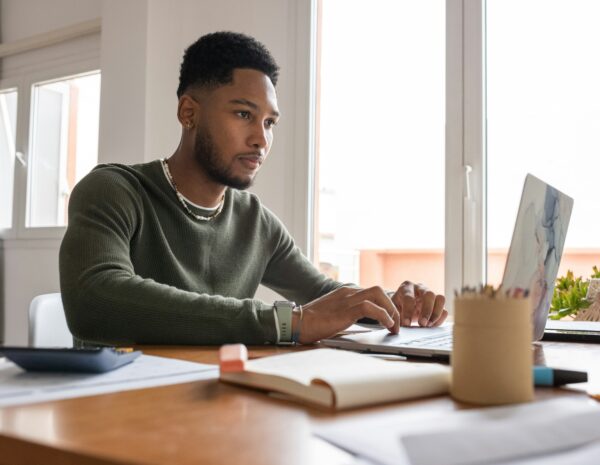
(368, 309)
(406, 295)
(379, 297)
(396, 328)
(441, 319)
(427, 305)
(438, 308)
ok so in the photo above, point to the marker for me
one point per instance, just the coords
(545, 376)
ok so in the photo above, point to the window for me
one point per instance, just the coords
(8, 132)
(63, 146)
(543, 117)
(521, 96)
(380, 151)
(49, 134)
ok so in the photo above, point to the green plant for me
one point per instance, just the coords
(569, 295)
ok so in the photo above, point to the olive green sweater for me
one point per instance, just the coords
(136, 268)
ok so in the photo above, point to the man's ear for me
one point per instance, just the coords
(187, 111)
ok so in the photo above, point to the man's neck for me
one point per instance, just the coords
(193, 183)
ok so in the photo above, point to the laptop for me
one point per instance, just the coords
(572, 331)
(532, 263)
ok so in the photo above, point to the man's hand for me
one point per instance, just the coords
(336, 311)
(417, 303)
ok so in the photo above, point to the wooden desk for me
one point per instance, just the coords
(208, 422)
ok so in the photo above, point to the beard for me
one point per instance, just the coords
(209, 159)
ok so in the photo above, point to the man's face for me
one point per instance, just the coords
(235, 128)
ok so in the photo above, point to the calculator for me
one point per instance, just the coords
(92, 360)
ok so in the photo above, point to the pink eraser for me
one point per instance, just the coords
(232, 357)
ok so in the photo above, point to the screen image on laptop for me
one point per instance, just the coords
(537, 246)
(532, 264)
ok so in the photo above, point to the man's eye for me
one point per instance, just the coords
(270, 123)
(244, 114)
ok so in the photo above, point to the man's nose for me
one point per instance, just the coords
(259, 138)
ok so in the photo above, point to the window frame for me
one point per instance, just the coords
(466, 202)
(9, 232)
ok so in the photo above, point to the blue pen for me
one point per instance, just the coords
(546, 376)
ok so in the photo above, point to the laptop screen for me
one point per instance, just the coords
(537, 245)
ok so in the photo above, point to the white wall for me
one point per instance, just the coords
(24, 18)
(124, 75)
(141, 47)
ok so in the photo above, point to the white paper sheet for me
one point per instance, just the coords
(381, 438)
(20, 387)
(494, 439)
(586, 455)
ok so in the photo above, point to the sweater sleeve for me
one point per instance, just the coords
(290, 273)
(106, 302)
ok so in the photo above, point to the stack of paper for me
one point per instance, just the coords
(555, 431)
(20, 387)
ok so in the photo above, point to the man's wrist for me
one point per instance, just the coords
(297, 317)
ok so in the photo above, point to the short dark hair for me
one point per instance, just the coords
(210, 60)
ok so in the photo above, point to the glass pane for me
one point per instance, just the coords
(544, 117)
(8, 132)
(64, 144)
(380, 180)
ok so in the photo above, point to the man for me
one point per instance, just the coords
(173, 251)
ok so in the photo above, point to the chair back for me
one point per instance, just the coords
(47, 322)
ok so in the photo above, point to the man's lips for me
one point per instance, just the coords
(251, 161)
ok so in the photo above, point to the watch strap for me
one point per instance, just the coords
(284, 310)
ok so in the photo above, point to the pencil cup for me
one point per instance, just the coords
(492, 358)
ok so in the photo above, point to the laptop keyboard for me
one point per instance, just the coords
(443, 341)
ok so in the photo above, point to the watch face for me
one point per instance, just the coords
(285, 303)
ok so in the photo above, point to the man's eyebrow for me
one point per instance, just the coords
(254, 106)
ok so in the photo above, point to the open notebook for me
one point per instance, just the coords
(331, 378)
(532, 263)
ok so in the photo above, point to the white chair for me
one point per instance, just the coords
(47, 322)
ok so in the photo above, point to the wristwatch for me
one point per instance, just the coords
(284, 309)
